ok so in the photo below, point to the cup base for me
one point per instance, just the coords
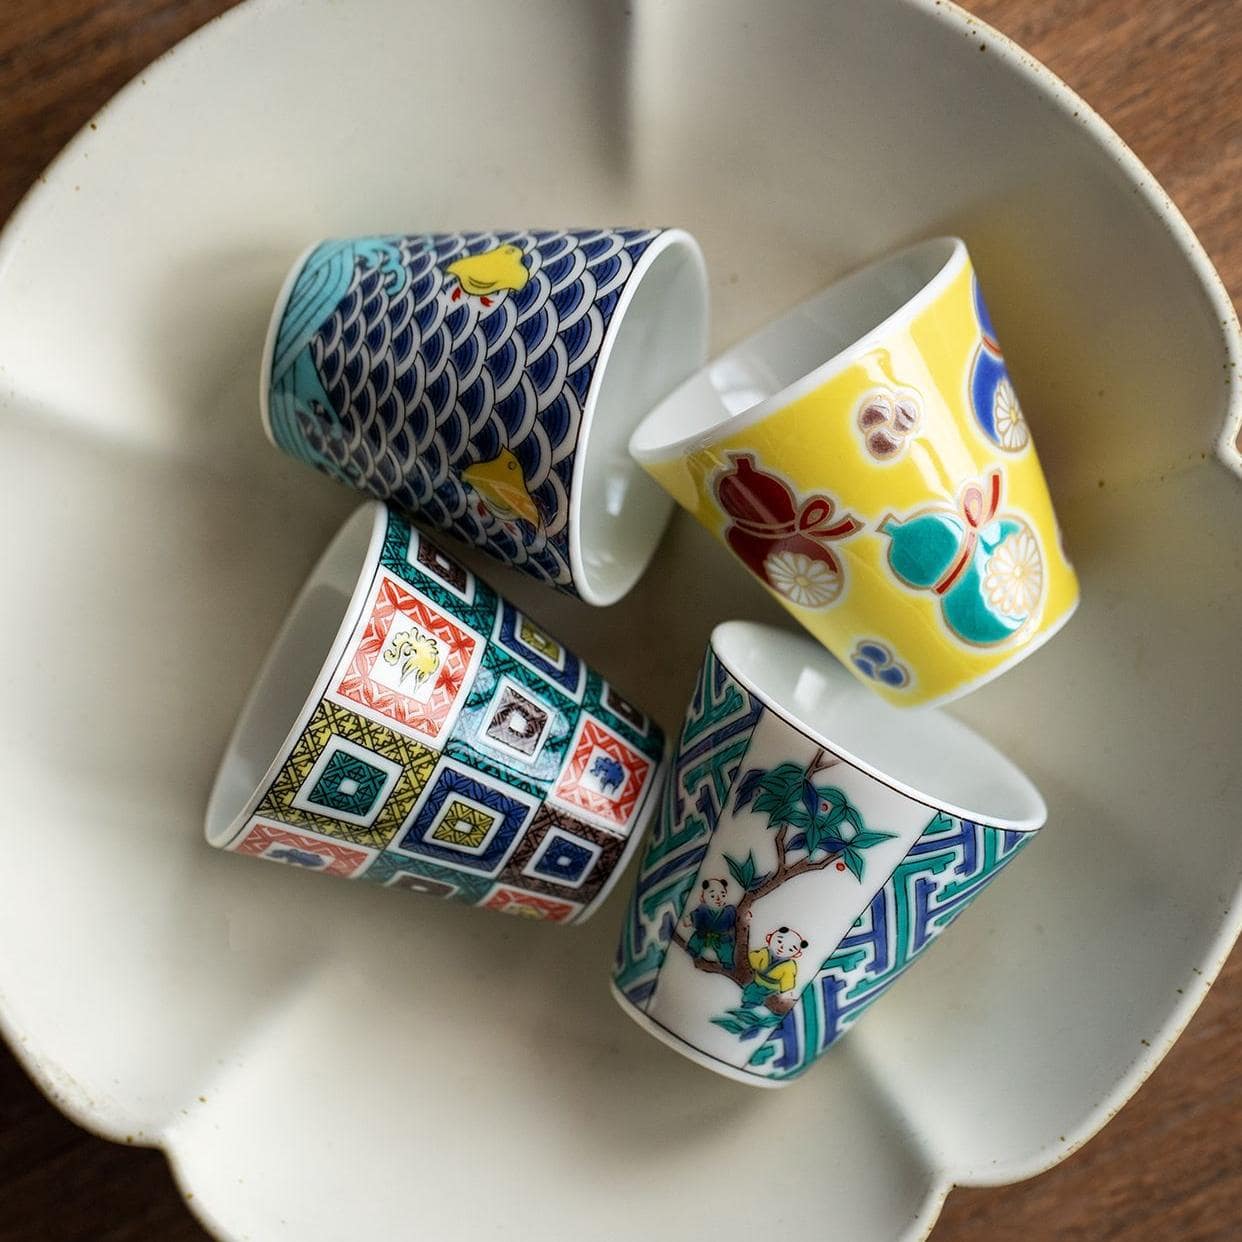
(1029, 648)
(689, 1051)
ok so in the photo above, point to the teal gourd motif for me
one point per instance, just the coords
(985, 567)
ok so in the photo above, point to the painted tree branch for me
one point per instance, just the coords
(781, 836)
(742, 972)
(700, 963)
(821, 763)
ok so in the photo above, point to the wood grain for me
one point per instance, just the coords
(1170, 1165)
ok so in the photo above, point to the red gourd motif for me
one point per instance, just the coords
(783, 541)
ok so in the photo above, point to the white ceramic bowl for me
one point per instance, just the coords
(287, 1040)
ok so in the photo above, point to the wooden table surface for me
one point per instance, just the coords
(1165, 75)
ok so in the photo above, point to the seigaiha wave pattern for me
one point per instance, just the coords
(447, 374)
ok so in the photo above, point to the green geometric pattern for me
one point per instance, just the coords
(538, 774)
(719, 721)
(593, 702)
(468, 888)
(348, 784)
(479, 614)
(328, 721)
(946, 868)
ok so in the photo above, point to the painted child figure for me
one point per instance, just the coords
(712, 924)
(775, 967)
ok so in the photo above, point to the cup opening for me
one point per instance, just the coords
(658, 336)
(795, 353)
(288, 684)
(925, 754)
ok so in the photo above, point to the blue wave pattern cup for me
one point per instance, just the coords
(487, 384)
(812, 842)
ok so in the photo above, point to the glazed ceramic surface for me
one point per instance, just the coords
(458, 377)
(810, 846)
(888, 494)
(447, 745)
(143, 970)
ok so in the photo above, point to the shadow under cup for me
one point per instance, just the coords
(413, 729)
(812, 842)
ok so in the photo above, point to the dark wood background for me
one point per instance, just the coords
(1166, 76)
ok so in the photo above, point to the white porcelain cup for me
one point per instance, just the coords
(488, 382)
(812, 841)
(413, 729)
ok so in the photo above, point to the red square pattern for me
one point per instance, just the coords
(529, 905)
(579, 783)
(429, 713)
(343, 860)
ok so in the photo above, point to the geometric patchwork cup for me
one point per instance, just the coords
(812, 841)
(865, 457)
(488, 383)
(412, 728)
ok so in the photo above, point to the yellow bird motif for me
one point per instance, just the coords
(491, 272)
(420, 652)
(501, 486)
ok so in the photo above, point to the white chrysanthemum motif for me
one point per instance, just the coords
(1013, 578)
(1007, 417)
(803, 580)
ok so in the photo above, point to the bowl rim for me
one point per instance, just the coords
(92, 1114)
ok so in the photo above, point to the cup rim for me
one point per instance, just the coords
(955, 258)
(323, 678)
(666, 240)
(1025, 823)
(705, 1060)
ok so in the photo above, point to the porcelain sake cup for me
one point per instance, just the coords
(410, 728)
(812, 841)
(488, 383)
(867, 459)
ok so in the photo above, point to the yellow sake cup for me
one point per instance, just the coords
(890, 497)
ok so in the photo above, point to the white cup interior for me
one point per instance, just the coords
(925, 754)
(795, 353)
(657, 337)
(291, 681)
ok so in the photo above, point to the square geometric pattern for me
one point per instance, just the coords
(279, 844)
(420, 875)
(541, 653)
(624, 709)
(303, 793)
(561, 856)
(564, 859)
(603, 778)
(465, 825)
(420, 884)
(528, 905)
(411, 663)
(348, 782)
(439, 565)
(516, 722)
(465, 820)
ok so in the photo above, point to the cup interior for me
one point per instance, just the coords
(288, 681)
(926, 754)
(795, 353)
(657, 337)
